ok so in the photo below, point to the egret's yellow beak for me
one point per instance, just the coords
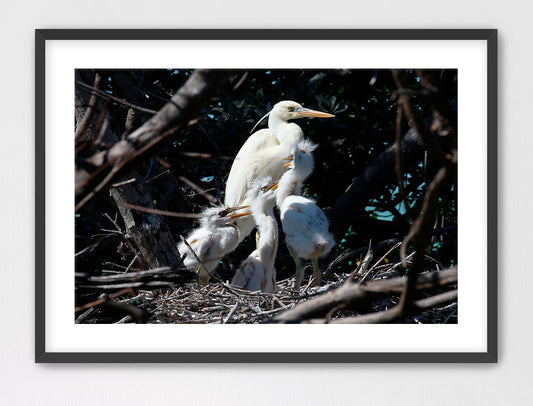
(303, 112)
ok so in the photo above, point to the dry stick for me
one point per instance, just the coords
(103, 300)
(82, 317)
(126, 182)
(385, 256)
(135, 258)
(201, 191)
(89, 113)
(363, 265)
(231, 313)
(202, 155)
(275, 299)
(158, 175)
(124, 319)
(378, 262)
(160, 212)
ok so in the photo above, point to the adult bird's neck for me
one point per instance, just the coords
(286, 133)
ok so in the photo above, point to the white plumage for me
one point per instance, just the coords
(216, 236)
(262, 155)
(257, 272)
(305, 225)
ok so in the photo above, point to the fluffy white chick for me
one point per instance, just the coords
(257, 272)
(305, 225)
(216, 236)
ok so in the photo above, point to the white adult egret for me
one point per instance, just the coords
(305, 225)
(257, 272)
(262, 154)
(216, 236)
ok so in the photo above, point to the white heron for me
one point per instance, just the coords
(262, 154)
(305, 225)
(216, 236)
(257, 272)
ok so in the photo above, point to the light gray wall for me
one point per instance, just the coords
(23, 382)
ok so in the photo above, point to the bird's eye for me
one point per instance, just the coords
(290, 109)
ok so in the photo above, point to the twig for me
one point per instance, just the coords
(126, 182)
(201, 155)
(200, 191)
(449, 316)
(96, 92)
(160, 212)
(89, 113)
(231, 313)
(102, 299)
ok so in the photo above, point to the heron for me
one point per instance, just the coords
(263, 152)
(257, 272)
(305, 225)
(216, 236)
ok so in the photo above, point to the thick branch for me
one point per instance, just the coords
(350, 294)
(393, 314)
(159, 277)
(371, 182)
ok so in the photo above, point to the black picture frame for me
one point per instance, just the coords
(488, 35)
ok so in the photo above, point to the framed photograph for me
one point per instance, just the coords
(266, 196)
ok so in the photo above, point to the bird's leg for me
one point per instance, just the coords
(299, 269)
(317, 274)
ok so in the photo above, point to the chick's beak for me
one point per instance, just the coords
(289, 158)
(272, 186)
(236, 216)
(303, 112)
(231, 210)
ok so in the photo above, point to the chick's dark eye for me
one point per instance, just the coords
(290, 109)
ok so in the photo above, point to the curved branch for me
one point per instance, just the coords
(371, 182)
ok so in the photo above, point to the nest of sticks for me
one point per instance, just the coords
(367, 295)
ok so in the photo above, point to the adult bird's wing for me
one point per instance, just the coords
(259, 156)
